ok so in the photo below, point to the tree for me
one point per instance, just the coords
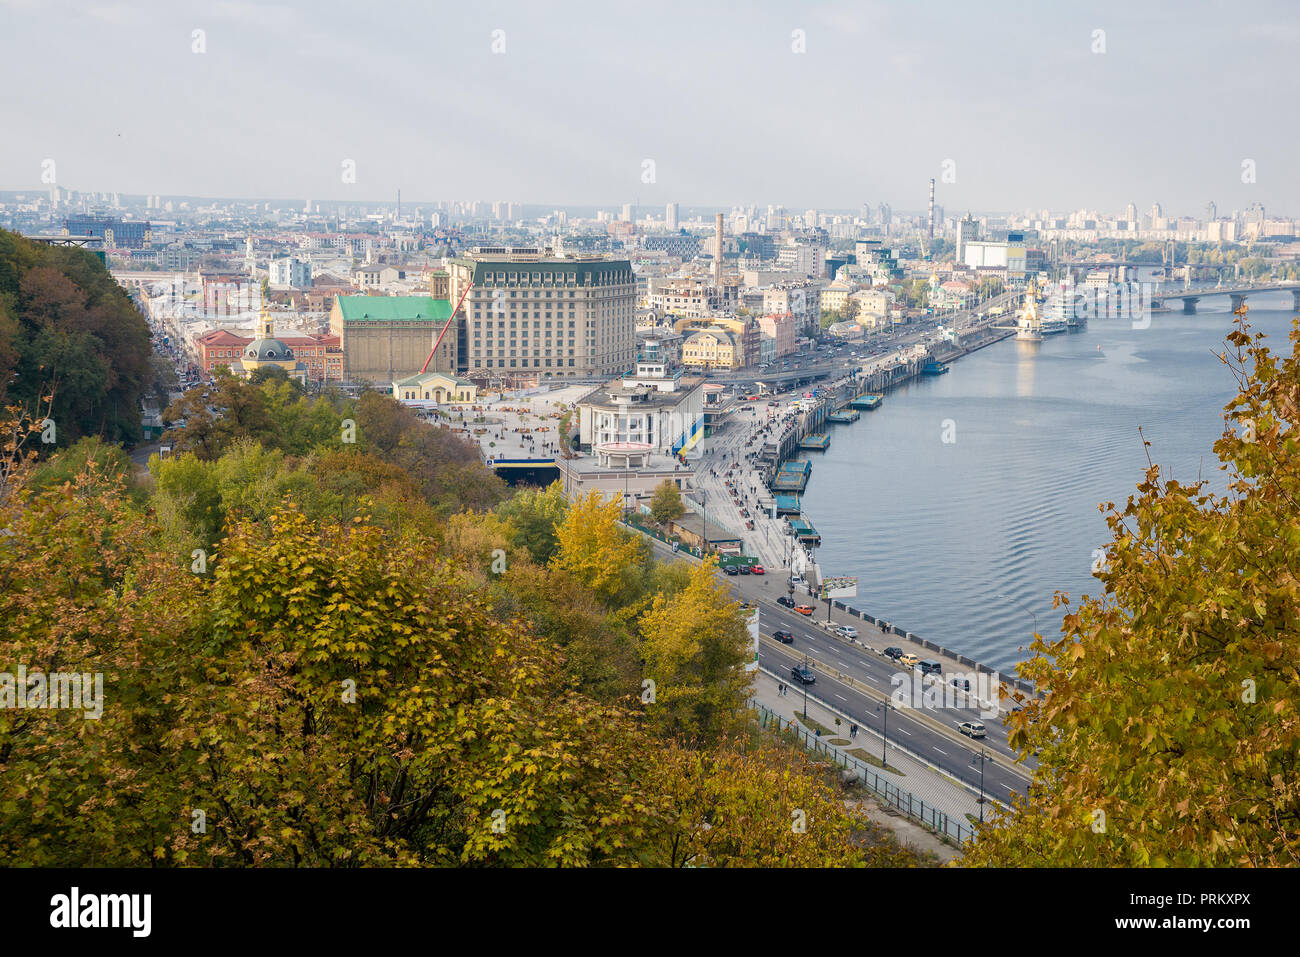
(535, 514)
(1170, 734)
(667, 504)
(598, 551)
(695, 647)
(759, 804)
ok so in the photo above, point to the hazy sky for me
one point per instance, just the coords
(712, 92)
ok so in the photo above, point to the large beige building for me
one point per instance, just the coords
(385, 338)
(531, 313)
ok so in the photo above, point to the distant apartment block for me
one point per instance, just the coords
(129, 234)
(289, 272)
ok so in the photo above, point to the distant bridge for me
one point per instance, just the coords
(1238, 294)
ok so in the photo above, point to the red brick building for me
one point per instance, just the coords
(321, 353)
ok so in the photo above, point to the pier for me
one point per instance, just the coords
(818, 442)
(844, 416)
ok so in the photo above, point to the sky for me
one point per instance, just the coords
(826, 105)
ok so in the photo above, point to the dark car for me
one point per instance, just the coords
(785, 600)
(802, 674)
(784, 637)
(744, 569)
(894, 653)
(930, 667)
(961, 684)
(731, 570)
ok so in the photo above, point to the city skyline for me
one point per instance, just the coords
(273, 101)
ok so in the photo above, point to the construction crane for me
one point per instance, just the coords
(450, 319)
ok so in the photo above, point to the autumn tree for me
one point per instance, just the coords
(1170, 734)
(596, 549)
(695, 647)
(535, 514)
(666, 504)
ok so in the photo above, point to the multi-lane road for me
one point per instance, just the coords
(858, 680)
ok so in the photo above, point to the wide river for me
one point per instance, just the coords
(936, 531)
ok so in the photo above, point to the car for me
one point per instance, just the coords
(802, 674)
(961, 684)
(758, 570)
(972, 729)
(846, 631)
(796, 579)
(786, 601)
(804, 609)
(730, 570)
(894, 653)
(744, 569)
(784, 637)
(930, 667)
(911, 661)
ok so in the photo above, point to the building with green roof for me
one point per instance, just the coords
(385, 338)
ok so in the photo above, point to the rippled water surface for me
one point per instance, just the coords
(936, 531)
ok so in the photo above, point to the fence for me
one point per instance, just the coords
(913, 807)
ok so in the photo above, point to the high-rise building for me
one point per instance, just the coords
(1211, 212)
(670, 216)
(532, 313)
(627, 212)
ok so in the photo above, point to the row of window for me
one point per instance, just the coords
(523, 363)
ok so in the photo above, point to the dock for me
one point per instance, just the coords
(787, 505)
(868, 401)
(805, 532)
(792, 477)
(818, 442)
(844, 416)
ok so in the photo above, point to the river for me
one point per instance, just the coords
(1040, 434)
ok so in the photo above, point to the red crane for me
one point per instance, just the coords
(450, 319)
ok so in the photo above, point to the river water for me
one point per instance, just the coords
(935, 531)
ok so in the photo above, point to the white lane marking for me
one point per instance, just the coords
(841, 697)
(905, 731)
(941, 751)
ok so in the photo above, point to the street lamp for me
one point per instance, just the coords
(982, 757)
(884, 707)
(805, 692)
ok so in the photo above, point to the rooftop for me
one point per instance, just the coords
(393, 308)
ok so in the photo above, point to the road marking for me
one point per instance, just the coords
(842, 698)
(944, 753)
(905, 731)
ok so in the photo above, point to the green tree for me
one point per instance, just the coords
(535, 514)
(666, 504)
(1170, 734)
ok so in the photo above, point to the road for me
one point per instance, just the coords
(856, 679)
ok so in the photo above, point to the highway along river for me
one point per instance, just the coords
(937, 531)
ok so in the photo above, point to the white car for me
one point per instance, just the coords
(846, 631)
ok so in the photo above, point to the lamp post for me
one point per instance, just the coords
(805, 693)
(982, 757)
(884, 707)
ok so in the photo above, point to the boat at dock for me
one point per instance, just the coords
(817, 442)
(844, 416)
(934, 368)
(868, 401)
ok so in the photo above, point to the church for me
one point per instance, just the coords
(267, 350)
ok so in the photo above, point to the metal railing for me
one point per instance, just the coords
(908, 804)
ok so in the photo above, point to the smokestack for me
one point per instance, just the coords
(932, 207)
(717, 252)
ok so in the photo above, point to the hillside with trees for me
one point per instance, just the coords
(329, 637)
(73, 346)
